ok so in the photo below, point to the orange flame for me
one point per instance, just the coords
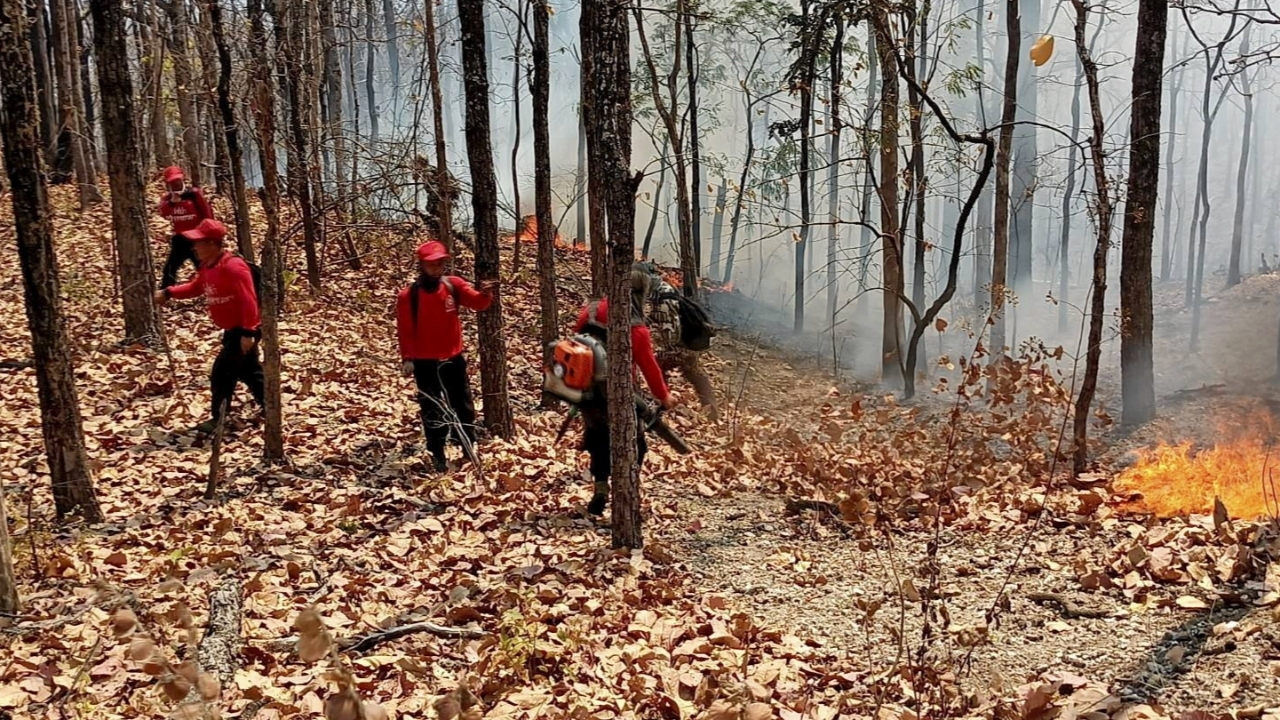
(528, 232)
(1175, 480)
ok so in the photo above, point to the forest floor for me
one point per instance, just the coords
(827, 551)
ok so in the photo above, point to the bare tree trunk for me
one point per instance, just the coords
(244, 234)
(182, 80)
(444, 185)
(369, 60)
(868, 170)
(833, 168)
(919, 181)
(265, 114)
(8, 579)
(1000, 253)
(542, 180)
(289, 40)
(688, 260)
(657, 200)
(67, 66)
(1137, 373)
(82, 89)
(33, 225)
(736, 223)
(1168, 251)
(580, 183)
(484, 202)
(595, 174)
(128, 201)
(695, 159)
(337, 131)
(393, 53)
(154, 53)
(1102, 186)
(1068, 196)
(1023, 180)
(516, 211)
(1242, 175)
(806, 82)
(213, 116)
(39, 38)
(891, 345)
(717, 224)
(610, 133)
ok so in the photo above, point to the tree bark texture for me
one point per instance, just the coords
(9, 601)
(1168, 248)
(611, 133)
(39, 38)
(184, 78)
(597, 218)
(1242, 177)
(1068, 197)
(834, 81)
(444, 185)
(128, 199)
(66, 65)
(891, 344)
(695, 156)
(484, 203)
(1098, 291)
(1023, 180)
(33, 224)
(1000, 249)
(289, 39)
(265, 114)
(1137, 373)
(806, 81)
(244, 234)
(542, 179)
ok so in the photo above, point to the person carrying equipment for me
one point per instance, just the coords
(185, 209)
(593, 323)
(227, 283)
(671, 315)
(430, 336)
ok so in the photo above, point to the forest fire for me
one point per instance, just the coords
(1177, 480)
(528, 232)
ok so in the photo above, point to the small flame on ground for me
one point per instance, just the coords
(1176, 480)
(528, 232)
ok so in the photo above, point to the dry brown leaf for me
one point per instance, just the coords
(123, 622)
(176, 688)
(313, 647)
(208, 686)
(1191, 602)
(342, 706)
(757, 711)
(141, 649)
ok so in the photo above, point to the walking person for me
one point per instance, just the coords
(431, 348)
(185, 208)
(227, 283)
(593, 320)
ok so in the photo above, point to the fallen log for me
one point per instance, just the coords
(219, 650)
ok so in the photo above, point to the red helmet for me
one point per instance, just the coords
(208, 229)
(431, 251)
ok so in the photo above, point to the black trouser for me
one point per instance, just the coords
(443, 392)
(234, 365)
(595, 437)
(180, 251)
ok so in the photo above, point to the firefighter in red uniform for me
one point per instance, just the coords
(227, 285)
(593, 320)
(430, 335)
(185, 208)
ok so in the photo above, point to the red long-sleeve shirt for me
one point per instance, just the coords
(641, 349)
(227, 285)
(187, 212)
(437, 332)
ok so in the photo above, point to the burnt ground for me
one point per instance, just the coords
(810, 576)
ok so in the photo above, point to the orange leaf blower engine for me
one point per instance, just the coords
(578, 366)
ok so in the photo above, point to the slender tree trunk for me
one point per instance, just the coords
(516, 212)
(657, 201)
(807, 81)
(982, 222)
(337, 129)
(265, 115)
(128, 201)
(595, 172)
(33, 225)
(154, 55)
(1000, 254)
(736, 223)
(288, 38)
(717, 226)
(1023, 180)
(1167, 249)
(833, 166)
(1242, 175)
(183, 79)
(580, 183)
(393, 52)
(444, 185)
(213, 116)
(919, 181)
(1137, 374)
(8, 579)
(369, 60)
(484, 200)
(891, 345)
(669, 114)
(82, 89)
(1102, 185)
(868, 170)
(542, 179)
(39, 38)
(695, 156)
(66, 64)
(244, 234)
(1068, 197)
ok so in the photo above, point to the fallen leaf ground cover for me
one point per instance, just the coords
(358, 527)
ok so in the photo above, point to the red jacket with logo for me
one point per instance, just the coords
(187, 212)
(227, 286)
(641, 349)
(436, 334)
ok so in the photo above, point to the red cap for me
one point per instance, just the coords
(208, 229)
(432, 251)
(172, 173)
